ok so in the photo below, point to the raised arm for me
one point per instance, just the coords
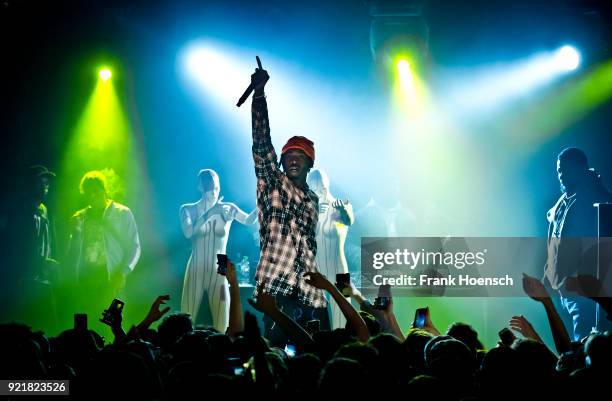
(266, 303)
(366, 306)
(318, 280)
(236, 321)
(264, 155)
(536, 291)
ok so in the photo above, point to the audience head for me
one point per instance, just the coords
(172, 328)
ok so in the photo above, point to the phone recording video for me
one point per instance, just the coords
(221, 264)
(419, 318)
(290, 350)
(506, 336)
(343, 283)
(114, 313)
(236, 366)
(384, 297)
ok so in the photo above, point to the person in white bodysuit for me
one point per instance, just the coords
(207, 224)
(335, 216)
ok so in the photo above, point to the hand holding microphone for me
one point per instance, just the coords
(258, 82)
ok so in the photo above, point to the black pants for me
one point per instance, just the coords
(299, 312)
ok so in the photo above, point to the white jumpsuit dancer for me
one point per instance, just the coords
(207, 224)
(334, 218)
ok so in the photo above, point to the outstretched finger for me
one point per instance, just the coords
(258, 62)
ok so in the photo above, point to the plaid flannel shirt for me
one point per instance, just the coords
(287, 221)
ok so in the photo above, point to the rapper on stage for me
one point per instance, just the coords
(288, 216)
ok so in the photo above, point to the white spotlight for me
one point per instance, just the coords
(567, 58)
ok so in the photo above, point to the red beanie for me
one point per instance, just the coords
(302, 143)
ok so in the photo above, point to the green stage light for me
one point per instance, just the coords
(406, 79)
(105, 74)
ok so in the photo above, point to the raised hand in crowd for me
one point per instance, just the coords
(266, 303)
(253, 335)
(428, 326)
(355, 321)
(155, 312)
(523, 326)
(236, 321)
(536, 291)
(534, 288)
(394, 326)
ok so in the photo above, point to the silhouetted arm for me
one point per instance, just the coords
(266, 304)
(236, 322)
(356, 322)
(536, 291)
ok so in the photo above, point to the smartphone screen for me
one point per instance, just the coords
(419, 317)
(381, 303)
(290, 350)
(221, 264)
(236, 366)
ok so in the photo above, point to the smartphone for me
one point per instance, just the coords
(80, 321)
(111, 315)
(290, 350)
(506, 336)
(221, 264)
(313, 326)
(384, 297)
(419, 317)
(381, 303)
(236, 366)
(343, 283)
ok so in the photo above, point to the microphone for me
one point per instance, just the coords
(245, 95)
(250, 88)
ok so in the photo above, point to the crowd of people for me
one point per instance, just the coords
(371, 356)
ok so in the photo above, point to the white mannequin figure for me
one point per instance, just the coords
(207, 224)
(335, 216)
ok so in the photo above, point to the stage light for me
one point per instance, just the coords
(216, 72)
(500, 83)
(567, 58)
(105, 74)
(403, 68)
(406, 79)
